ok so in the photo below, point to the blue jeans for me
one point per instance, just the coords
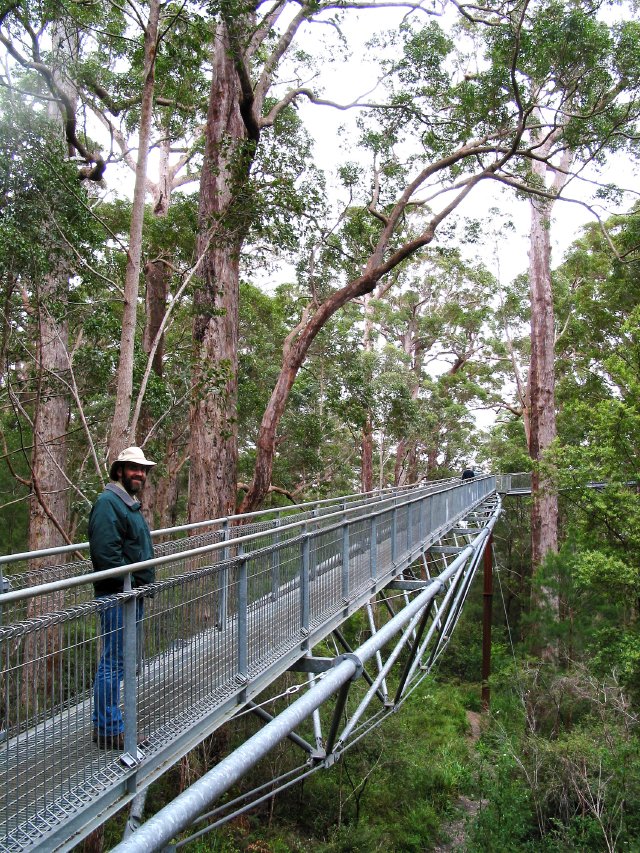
(107, 716)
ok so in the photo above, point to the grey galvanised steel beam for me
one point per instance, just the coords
(345, 645)
(265, 716)
(159, 830)
(180, 724)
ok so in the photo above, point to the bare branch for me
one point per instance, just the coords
(161, 329)
(65, 105)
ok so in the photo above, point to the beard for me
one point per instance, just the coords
(133, 484)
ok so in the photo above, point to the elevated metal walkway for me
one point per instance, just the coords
(238, 603)
(513, 484)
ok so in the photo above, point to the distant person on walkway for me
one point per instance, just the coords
(118, 536)
(468, 474)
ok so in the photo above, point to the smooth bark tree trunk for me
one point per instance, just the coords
(544, 505)
(49, 504)
(544, 513)
(366, 461)
(157, 275)
(541, 380)
(366, 458)
(121, 434)
(49, 499)
(406, 467)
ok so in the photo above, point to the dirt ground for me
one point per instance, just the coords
(456, 831)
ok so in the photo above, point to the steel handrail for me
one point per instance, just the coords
(80, 580)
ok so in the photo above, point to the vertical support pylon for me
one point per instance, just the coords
(487, 599)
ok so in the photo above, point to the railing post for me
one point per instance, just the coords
(345, 562)
(394, 527)
(487, 599)
(223, 599)
(373, 559)
(130, 643)
(275, 562)
(313, 565)
(243, 605)
(305, 607)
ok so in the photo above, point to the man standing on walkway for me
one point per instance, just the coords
(118, 536)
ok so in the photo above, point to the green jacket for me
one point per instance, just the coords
(118, 536)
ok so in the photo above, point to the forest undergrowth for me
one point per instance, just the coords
(556, 767)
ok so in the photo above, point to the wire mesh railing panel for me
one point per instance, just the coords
(440, 509)
(27, 573)
(260, 578)
(359, 555)
(384, 526)
(189, 645)
(274, 618)
(415, 525)
(286, 566)
(28, 608)
(48, 667)
(273, 613)
(326, 574)
(402, 530)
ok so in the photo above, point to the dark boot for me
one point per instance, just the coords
(104, 741)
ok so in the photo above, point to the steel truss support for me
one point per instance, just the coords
(407, 643)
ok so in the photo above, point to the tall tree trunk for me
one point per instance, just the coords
(541, 381)
(405, 470)
(49, 499)
(412, 463)
(168, 488)
(544, 512)
(49, 504)
(121, 435)
(157, 274)
(213, 442)
(399, 468)
(366, 459)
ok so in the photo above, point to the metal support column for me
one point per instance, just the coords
(487, 599)
(130, 651)
(243, 618)
(223, 598)
(305, 593)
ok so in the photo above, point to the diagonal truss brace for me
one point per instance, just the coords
(422, 626)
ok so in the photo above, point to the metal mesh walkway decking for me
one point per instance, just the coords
(228, 617)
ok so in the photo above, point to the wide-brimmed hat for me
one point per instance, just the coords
(130, 454)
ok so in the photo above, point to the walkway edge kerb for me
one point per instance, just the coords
(159, 830)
